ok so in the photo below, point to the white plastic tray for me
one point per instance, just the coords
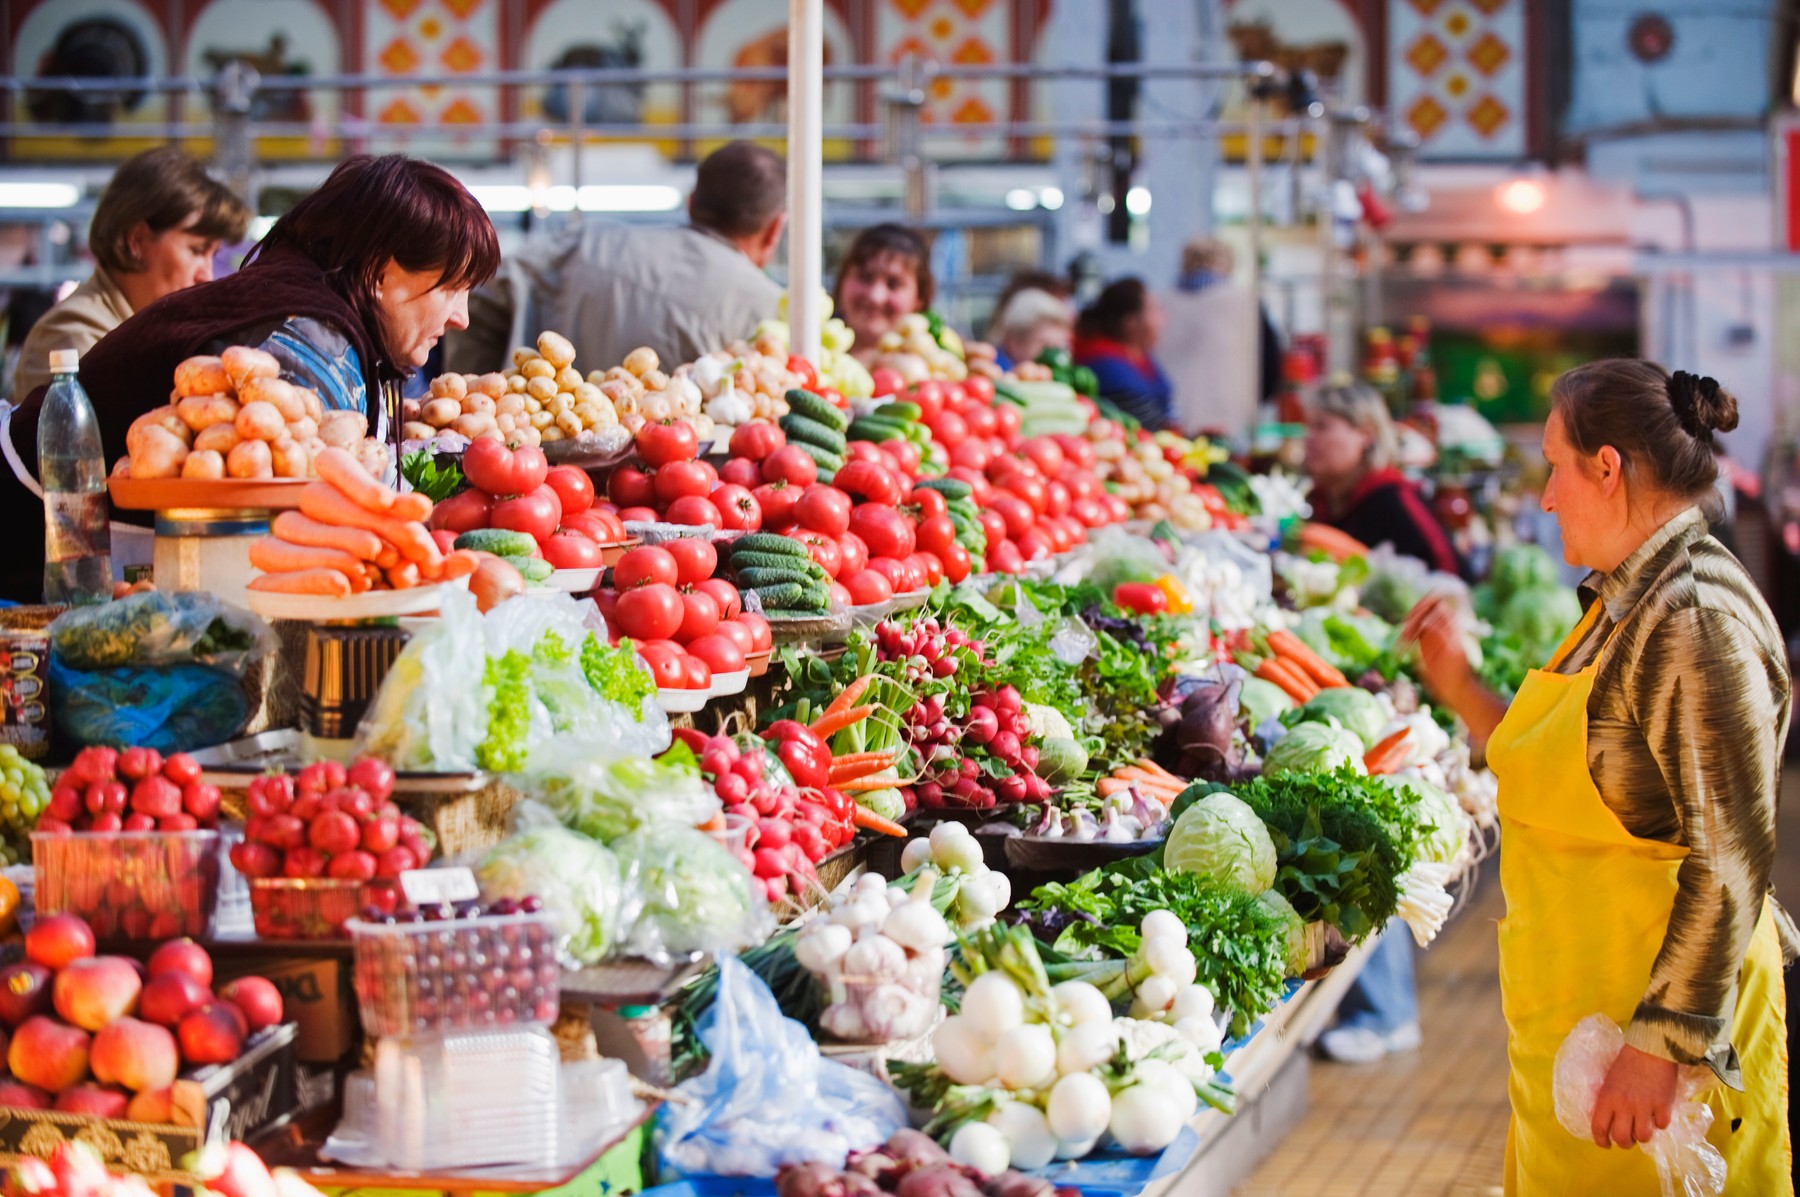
(726, 684)
(682, 702)
(373, 604)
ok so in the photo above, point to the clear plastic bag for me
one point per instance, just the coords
(1686, 1164)
(431, 713)
(606, 790)
(155, 628)
(689, 894)
(578, 880)
(767, 1097)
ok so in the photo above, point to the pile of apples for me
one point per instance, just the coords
(104, 789)
(107, 1036)
(517, 490)
(669, 484)
(329, 821)
(686, 624)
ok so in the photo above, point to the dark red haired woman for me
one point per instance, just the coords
(349, 291)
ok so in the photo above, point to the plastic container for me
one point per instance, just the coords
(468, 1100)
(130, 884)
(456, 974)
(314, 907)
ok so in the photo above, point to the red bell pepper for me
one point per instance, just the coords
(1142, 598)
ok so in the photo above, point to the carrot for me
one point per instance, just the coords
(837, 720)
(329, 505)
(360, 582)
(1296, 650)
(847, 697)
(1108, 786)
(1151, 767)
(328, 583)
(868, 820)
(273, 555)
(861, 764)
(1296, 687)
(1387, 754)
(404, 576)
(867, 784)
(458, 562)
(1148, 784)
(411, 506)
(1337, 545)
(716, 823)
(295, 528)
(337, 467)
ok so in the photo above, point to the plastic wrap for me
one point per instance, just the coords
(767, 1097)
(606, 791)
(577, 879)
(174, 708)
(689, 893)
(154, 628)
(1686, 1164)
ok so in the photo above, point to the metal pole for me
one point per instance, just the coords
(805, 162)
(232, 148)
(577, 135)
(1253, 177)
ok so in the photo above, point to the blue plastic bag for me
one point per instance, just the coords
(172, 708)
(767, 1097)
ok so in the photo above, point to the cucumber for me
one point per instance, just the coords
(800, 428)
(777, 613)
(532, 569)
(827, 461)
(900, 412)
(770, 561)
(499, 542)
(950, 488)
(869, 428)
(817, 408)
(769, 542)
(787, 594)
(754, 577)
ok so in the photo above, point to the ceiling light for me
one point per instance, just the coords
(1137, 201)
(1050, 197)
(39, 195)
(1020, 199)
(1521, 197)
(629, 197)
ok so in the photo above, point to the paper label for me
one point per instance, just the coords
(428, 887)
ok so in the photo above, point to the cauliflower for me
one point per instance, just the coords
(1047, 723)
(1143, 1038)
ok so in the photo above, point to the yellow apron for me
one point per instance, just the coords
(1587, 907)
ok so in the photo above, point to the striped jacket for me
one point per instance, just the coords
(1686, 725)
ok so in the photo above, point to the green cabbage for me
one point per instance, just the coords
(577, 879)
(1222, 838)
(1261, 701)
(1352, 707)
(1521, 567)
(1298, 958)
(1539, 617)
(1315, 747)
(694, 894)
(1444, 826)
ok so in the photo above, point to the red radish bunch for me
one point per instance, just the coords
(329, 821)
(519, 491)
(788, 833)
(687, 624)
(134, 790)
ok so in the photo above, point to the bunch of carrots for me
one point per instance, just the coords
(1150, 778)
(1296, 668)
(856, 767)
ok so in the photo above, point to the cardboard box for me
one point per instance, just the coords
(244, 1098)
(316, 995)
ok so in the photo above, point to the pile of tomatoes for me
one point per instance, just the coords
(669, 484)
(517, 490)
(687, 625)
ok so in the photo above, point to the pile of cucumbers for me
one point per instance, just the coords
(515, 548)
(817, 428)
(898, 419)
(783, 574)
(959, 502)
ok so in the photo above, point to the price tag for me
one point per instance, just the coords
(428, 887)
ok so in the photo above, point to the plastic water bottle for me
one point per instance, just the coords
(77, 538)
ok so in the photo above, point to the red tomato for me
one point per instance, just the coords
(791, 465)
(884, 530)
(898, 573)
(591, 524)
(738, 509)
(1035, 544)
(1006, 422)
(936, 534)
(1030, 489)
(644, 565)
(977, 481)
(1090, 511)
(1118, 509)
(957, 564)
(809, 377)
(573, 488)
(679, 479)
(1078, 449)
(947, 428)
(833, 396)
(905, 455)
(1046, 454)
(499, 470)
(824, 509)
(855, 552)
(1056, 498)
(825, 551)
(887, 381)
(572, 550)
(777, 500)
(695, 673)
(464, 512)
(862, 451)
(738, 633)
(651, 612)
(1003, 557)
(695, 558)
(691, 511)
(662, 442)
(725, 594)
(638, 515)
(869, 482)
(630, 486)
(759, 630)
(930, 395)
(721, 653)
(1053, 527)
(868, 586)
(972, 453)
(994, 524)
(699, 616)
(980, 419)
(980, 388)
(1015, 511)
(756, 440)
(612, 527)
(444, 539)
(930, 564)
(930, 503)
(536, 514)
(665, 666)
(741, 471)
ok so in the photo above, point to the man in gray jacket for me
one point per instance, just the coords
(611, 287)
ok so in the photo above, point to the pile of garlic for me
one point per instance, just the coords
(878, 956)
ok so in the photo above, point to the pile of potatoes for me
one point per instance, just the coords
(233, 416)
(641, 392)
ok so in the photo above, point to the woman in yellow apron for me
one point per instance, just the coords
(1638, 780)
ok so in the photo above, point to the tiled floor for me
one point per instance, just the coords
(1433, 1123)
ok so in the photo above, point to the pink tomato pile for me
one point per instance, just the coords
(329, 821)
(667, 483)
(686, 624)
(138, 789)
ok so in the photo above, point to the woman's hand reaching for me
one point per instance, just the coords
(1435, 627)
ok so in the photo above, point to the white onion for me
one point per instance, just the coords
(964, 1054)
(1086, 1047)
(1082, 1002)
(1025, 1057)
(1161, 924)
(1194, 1001)
(1165, 1077)
(1157, 992)
(1074, 1149)
(1143, 1119)
(916, 853)
(981, 1147)
(1027, 1133)
(993, 1005)
(1169, 957)
(1079, 1107)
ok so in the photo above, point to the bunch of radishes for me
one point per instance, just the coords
(787, 834)
(979, 893)
(878, 956)
(329, 821)
(134, 790)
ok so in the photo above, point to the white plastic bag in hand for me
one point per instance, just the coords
(1686, 1164)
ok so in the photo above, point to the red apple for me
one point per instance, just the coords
(257, 998)
(182, 956)
(102, 1101)
(57, 940)
(170, 998)
(21, 1096)
(212, 1034)
(93, 992)
(24, 991)
(135, 1054)
(48, 1054)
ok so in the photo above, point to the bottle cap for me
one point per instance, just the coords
(64, 360)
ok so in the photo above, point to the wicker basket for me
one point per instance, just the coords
(464, 821)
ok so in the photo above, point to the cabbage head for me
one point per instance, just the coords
(1260, 701)
(1444, 828)
(1352, 707)
(1219, 836)
(1316, 748)
(1540, 616)
(1297, 955)
(577, 879)
(1521, 567)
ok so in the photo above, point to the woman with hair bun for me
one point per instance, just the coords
(1639, 772)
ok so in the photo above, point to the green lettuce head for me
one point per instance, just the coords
(1219, 836)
